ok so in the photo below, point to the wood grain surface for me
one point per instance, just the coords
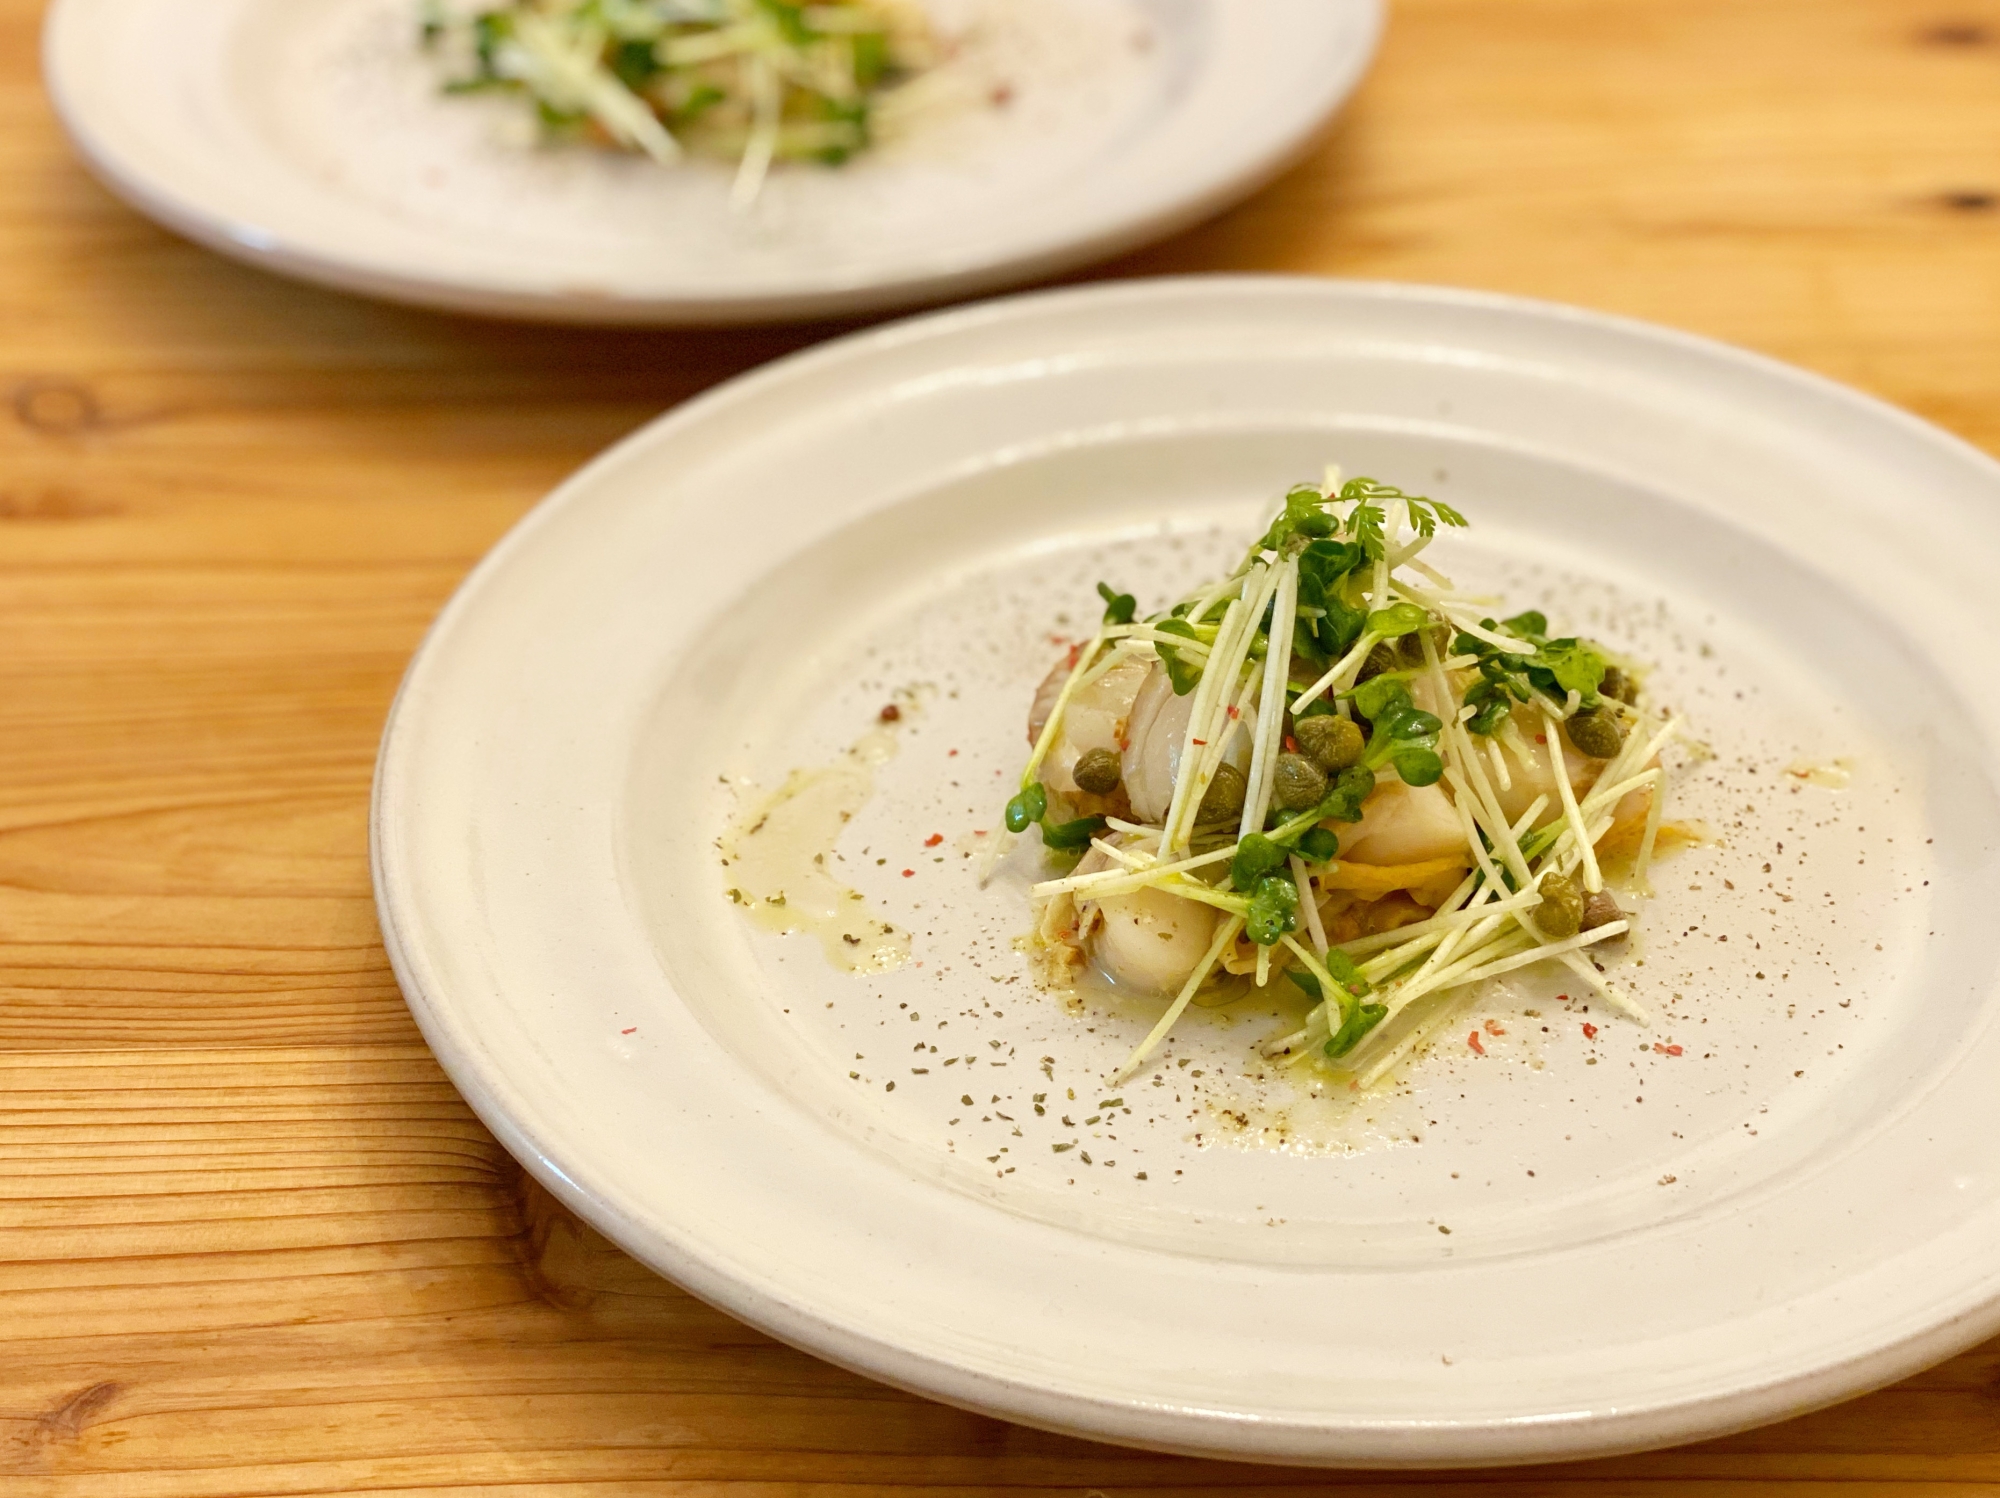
(251, 1241)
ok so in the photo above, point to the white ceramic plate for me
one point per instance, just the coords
(1571, 1245)
(309, 137)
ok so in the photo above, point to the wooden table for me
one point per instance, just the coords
(250, 1239)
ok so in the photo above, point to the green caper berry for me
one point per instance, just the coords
(1617, 684)
(1224, 796)
(1560, 915)
(1596, 733)
(1098, 772)
(1331, 742)
(1383, 657)
(1297, 783)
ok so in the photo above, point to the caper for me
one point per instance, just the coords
(1617, 684)
(1224, 796)
(1298, 783)
(1331, 742)
(1410, 648)
(1560, 914)
(1600, 910)
(1596, 733)
(1098, 772)
(1383, 657)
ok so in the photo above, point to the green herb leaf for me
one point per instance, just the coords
(1418, 766)
(1530, 624)
(1118, 607)
(1397, 620)
(1307, 983)
(1069, 836)
(1274, 910)
(1569, 665)
(1305, 515)
(1318, 845)
(1256, 856)
(634, 63)
(1380, 696)
(1182, 671)
(1343, 800)
(1370, 499)
(1341, 968)
(1028, 808)
(871, 58)
(791, 21)
(1358, 1022)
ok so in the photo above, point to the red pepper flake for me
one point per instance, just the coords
(1074, 652)
(1666, 1050)
(1473, 1041)
(1235, 712)
(1291, 744)
(1494, 1027)
(1589, 1030)
(1562, 998)
(934, 839)
(891, 713)
(909, 873)
(633, 1031)
(951, 754)
(1202, 743)
(1541, 738)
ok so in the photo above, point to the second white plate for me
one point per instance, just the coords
(1580, 1237)
(309, 137)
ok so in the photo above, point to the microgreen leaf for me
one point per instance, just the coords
(1397, 620)
(1380, 696)
(1028, 808)
(1118, 607)
(1069, 836)
(1274, 910)
(1570, 666)
(1356, 1024)
(1416, 765)
(1318, 844)
(1349, 789)
(1184, 672)
(1256, 856)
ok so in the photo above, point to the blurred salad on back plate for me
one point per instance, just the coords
(754, 82)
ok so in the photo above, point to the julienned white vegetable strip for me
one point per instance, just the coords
(1339, 673)
(1213, 684)
(1137, 875)
(1302, 877)
(1331, 585)
(1271, 707)
(1593, 880)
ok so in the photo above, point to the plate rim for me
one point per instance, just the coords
(1362, 1443)
(954, 278)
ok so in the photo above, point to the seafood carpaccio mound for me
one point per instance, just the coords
(1335, 769)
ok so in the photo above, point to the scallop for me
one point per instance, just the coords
(1155, 737)
(1403, 824)
(1148, 941)
(1096, 718)
(1533, 771)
